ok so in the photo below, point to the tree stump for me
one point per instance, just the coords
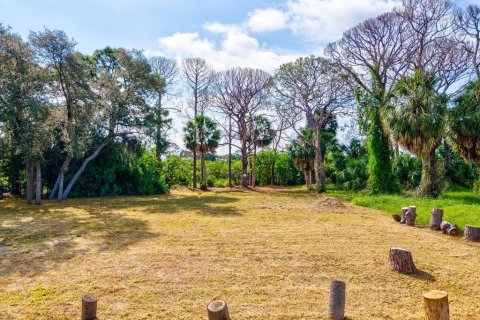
(402, 261)
(89, 308)
(402, 218)
(336, 306)
(218, 310)
(472, 233)
(410, 216)
(435, 304)
(449, 228)
(396, 217)
(436, 219)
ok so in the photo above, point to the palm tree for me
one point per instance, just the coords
(303, 153)
(417, 124)
(464, 126)
(202, 135)
(261, 135)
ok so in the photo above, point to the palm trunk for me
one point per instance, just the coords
(319, 168)
(194, 169)
(29, 174)
(306, 174)
(203, 171)
(82, 168)
(447, 155)
(38, 192)
(430, 183)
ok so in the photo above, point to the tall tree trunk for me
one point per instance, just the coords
(29, 175)
(14, 173)
(430, 183)
(244, 165)
(230, 152)
(54, 189)
(319, 167)
(61, 177)
(306, 174)
(158, 129)
(82, 168)
(254, 165)
(38, 180)
(447, 155)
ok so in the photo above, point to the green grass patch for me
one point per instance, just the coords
(460, 206)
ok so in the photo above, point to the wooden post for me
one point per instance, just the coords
(218, 310)
(402, 261)
(435, 304)
(410, 216)
(336, 306)
(403, 219)
(449, 228)
(89, 308)
(472, 233)
(436, 219)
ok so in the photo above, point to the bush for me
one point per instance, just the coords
(354, 176)
(408, 170)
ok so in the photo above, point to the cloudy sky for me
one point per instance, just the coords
(227, 33)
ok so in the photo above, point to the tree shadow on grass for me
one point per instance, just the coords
(423, 275)
(34, 239)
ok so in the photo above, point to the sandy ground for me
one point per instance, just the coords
(270, 253)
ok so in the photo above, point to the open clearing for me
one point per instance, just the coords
(270, 254)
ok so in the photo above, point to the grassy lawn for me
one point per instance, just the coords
(271, 254)
(460, 206)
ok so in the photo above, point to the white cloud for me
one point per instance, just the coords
(235, 49)
(264, 20)
(326, 20)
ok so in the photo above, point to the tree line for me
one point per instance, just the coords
(411, 78)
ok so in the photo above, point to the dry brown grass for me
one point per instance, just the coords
(271, 254)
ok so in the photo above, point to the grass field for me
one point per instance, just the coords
(271, 254)
(460, 206)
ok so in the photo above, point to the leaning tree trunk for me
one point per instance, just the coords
(61, 177)
(436, 219)
(29, 174)
(38, 191)
(82, 168)
(319, 167)
(430, 183)
(472, 233)
(402, 261)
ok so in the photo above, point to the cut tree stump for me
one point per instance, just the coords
(449, 228)
(89, 308)
(410, 216)
(336, 305)
(218, 310)
(402, 218)
(402, 261)
(435, 304)
(396, 217)
(436, 219)
(472, 233)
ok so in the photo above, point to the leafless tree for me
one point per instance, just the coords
(241, 93)
(467, 23)
(315, 89)
(199, 77)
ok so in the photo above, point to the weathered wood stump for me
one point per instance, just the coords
(89, 308)
(449, 228)
(218, 310)
(402, 218)
(410, 216)
(435, 304)
(396, 217)
(336, 305)
(402, 261)
(472, 233)
(436, 219)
